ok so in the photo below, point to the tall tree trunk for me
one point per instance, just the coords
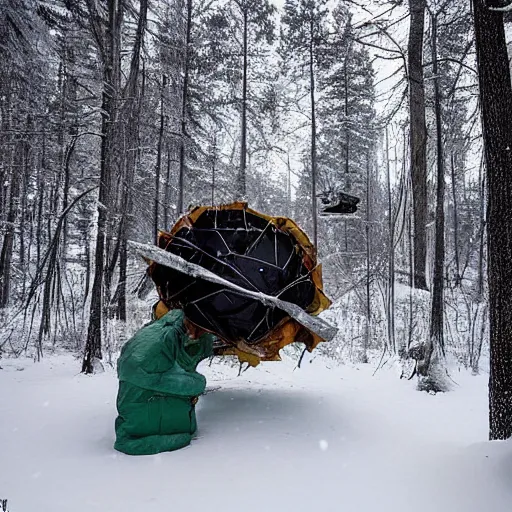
(123, 275)
(40, 200)
(117, 165)
(167, 192)
(496, 107)
(242, 178)
(313, 129)
(65, 151)
(391, 256)
(184, 105)
(87, 255)
(289, 188)
(109, 47)
(93, 342)
(65, 196)
(8, 242)
(436, 341)
(418, 139)
(214, 166)
(158, 170)
(368, 333)
(348, 183)
(132, 109)
(65, 193)
(481, 232)
(23, 208)
(410, 236)
(455, 223)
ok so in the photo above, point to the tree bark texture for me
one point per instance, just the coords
(418, 139)
(313, 131)
(158, 170)
(132, 109)
(391, 257)
(8, 241)
(243, 150)
(458, 276)
(184, 106)
(437, 316)
(496, 109)
(368, 333)
(109, 47)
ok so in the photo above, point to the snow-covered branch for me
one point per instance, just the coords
(506, 8)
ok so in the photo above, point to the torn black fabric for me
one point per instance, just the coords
(247, 250)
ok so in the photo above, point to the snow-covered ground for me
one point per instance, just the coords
(318, 438)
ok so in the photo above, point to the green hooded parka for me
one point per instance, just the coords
(159, 386)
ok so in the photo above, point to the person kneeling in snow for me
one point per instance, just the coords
(159, 385)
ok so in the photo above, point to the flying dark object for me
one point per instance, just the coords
(345, 204)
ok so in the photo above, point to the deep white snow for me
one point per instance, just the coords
(318, 438)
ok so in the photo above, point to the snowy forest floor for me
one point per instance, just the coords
(321, 437)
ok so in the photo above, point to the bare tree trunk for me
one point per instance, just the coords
(8, 242)
(313, 131)
(93, 342)
(368, 333)
(158, 170)
(87, 251)
(214, 165)
(132, 110)
(481, 234)
(6, 154)
(410, 237)
(167, 192)
(242, 178)
(109, 47)
(184, 105)
(40, 201)
(435, 344)
(113, 231)
(348, 183)
(66, 151)
(477, 350)
(455, 223)
(496, 107)
(289, 188)
(391, 256)
(23, 209)
(418, 139)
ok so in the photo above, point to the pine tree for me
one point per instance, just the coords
(255, 25)
(303, 38)
(346, 111)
